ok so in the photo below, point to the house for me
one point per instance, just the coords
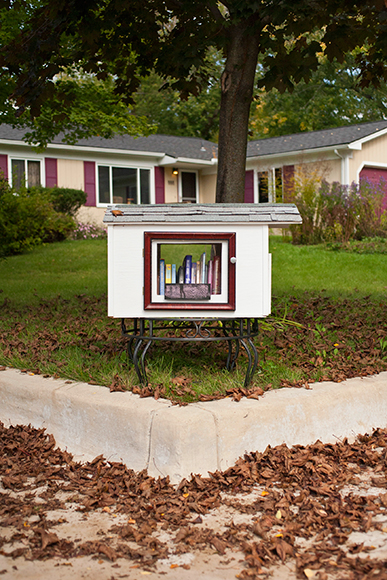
(343, 154)
(167, 169)
(124, 169)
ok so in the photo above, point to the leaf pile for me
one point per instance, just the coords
(303, 503)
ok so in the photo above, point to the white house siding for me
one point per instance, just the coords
(91, 215)
(171, 186)
(207, 188)
(70, 173)
(372, 154)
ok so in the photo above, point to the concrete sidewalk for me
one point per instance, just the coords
(170, 440)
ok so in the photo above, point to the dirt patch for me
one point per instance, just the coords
(307, 512)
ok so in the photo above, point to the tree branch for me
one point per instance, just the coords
(216, 13)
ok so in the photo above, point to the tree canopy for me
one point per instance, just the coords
(127, 41)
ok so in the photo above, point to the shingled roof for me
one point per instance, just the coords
(313, 139)
(202, 150)
(186, 147)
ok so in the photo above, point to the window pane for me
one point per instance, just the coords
(145, 185)
(33, 173)
(124, 185)
(103, 184)
(263, 186)
(188, 186)
(278, 185)
(18, 173)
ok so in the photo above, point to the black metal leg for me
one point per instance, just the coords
(236, 332)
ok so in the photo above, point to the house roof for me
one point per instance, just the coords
(336, 137)
(193, 148)
(176, 147)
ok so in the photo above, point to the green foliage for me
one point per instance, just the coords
(68, 201)
(334, 212)
(195, 116)
(28, 219)
(64, 200)
(333, 97)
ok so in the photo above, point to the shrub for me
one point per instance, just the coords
(336, 213)
(64, 200)
(27, 219)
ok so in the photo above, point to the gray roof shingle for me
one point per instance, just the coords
(202, 150)
(275, 215)
(188, 147)
(313, 139)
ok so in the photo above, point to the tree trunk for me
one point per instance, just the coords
(237, 84)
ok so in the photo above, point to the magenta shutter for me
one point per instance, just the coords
(89, 174)
(51, 168)
(4, 165)
(159, 185)
(249, 186)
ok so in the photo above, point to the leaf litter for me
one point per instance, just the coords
(311, 337)
(318, 507)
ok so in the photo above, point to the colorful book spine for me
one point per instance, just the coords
(187, 269)
(203, 268)
(173, 273)
(209, 275)
(216, 275)
(162, 277)
(168, 273)
(194, 272)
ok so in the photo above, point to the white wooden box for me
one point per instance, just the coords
(140, 237)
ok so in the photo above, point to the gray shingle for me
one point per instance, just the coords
(313, 139)
(271, 214)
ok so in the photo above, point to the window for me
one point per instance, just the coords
(193, 271)
(25, 173)
(263, 186)
(188, 187)
(278, 185)
(123, 185)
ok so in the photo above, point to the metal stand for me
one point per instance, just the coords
(235, 332)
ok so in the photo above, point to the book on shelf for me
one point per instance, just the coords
(209, 273)
(193, 272)
(173, 273)
(162, 277)
(198, 272)
(180, 275)
(168, 273)
(216, 276)
(187, 269)
(203, 268)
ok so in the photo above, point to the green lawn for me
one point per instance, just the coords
(66, 269)
(313, 268)
(80, 267)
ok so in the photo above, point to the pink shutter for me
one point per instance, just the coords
(89, 175)
(159, 185)
(51, 168)
(249, 186)
(4, 165)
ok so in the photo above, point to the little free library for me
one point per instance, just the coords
(194, 265)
